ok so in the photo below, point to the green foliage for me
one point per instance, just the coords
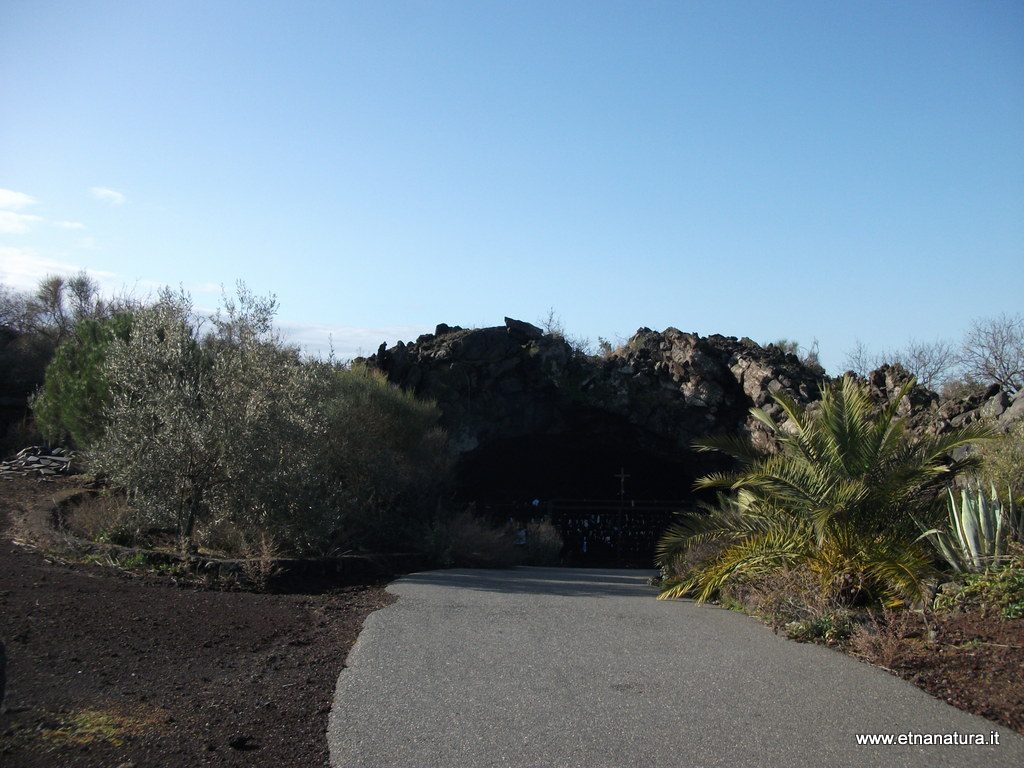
(201, 430)
(997, 591)
(979, 531)
(71, 403)
(385, 447)
(1002, 460)
(829, 628)
(232, 431)
(840, 498)
(135, 560)
(33, 325)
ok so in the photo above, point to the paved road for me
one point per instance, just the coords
(558, 667)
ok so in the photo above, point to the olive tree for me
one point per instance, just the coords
(221, 427)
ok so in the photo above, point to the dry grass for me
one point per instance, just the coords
(885, 639)
(260, 564)
(793, 600)
(544, 544)
(464, 540)
(104, 517)
(224, 538)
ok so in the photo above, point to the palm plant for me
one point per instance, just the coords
(842, 497)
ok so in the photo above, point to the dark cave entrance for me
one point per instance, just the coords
(570, 466)
(606, 520)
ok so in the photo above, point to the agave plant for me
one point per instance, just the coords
(979, 530)
(840, 497)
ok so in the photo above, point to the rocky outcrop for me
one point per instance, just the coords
(992, 405)
(517, 400)
(716, 380)
(514, 385)
(929, 413)
(671, 387)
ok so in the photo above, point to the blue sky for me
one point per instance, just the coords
(808, 170)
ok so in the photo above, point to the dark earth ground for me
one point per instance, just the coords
(110, 668)
(106, 668)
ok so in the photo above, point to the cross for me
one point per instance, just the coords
(622, 482)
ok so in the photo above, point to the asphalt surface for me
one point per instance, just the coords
(567, 667)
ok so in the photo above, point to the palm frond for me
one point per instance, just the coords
(843, 495)
(739, 447)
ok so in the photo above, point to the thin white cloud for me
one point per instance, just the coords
(22, 268)
(17, 223)
(20, 223)
(15, 201)
(108, 196)
(216, 288)
(318, 339)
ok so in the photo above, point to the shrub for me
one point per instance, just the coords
(105, 517)
(259, 565)
(543, 545)
(1002, 462)
(223, 537)
(830, 628)
(463, 540)
(883, 639)
(226, 427)
(996, 592)
(71, 403)
(385, 447)
(841, 497)
(792, 600)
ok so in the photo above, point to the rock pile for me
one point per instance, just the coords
(541, 418)
(665, 389)
(518, 398)
(38, 461)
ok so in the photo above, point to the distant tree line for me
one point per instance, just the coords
(990, 352)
